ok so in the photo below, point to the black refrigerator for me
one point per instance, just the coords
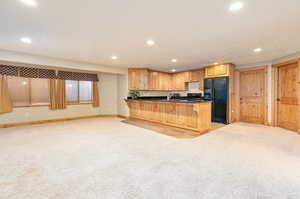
(216, 90)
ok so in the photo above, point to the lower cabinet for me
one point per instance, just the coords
(170, 113)
(193, 116)
(157, 109)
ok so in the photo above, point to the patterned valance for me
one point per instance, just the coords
(9, 70)
(77, 76)
(45, 73)
(27, 72)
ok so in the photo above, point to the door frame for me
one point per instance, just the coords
(237, 90)
(275, 69)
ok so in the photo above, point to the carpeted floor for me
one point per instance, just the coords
(105, 159)
(168, 130)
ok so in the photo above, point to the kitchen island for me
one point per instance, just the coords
(187, 114)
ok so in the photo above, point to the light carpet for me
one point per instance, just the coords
(105, 159)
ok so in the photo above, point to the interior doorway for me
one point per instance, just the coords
(252, 95)
(286, 95)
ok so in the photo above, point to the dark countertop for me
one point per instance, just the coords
(172, 100)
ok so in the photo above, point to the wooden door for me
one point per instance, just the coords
(287, 99)
(252, 96)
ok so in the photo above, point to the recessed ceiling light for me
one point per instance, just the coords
(114, 57)
(150, 42)
(236, 6)
(173, 70)
(26, 40)
(257, 50)
(216, 63)
(29, 2)
(174, 60)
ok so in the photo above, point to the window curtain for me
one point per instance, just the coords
(57, 94)
(5, 101)
(95, 95)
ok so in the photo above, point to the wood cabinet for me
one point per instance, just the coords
(170, 114)
(154, 77)
(144, 79)
(179, 81)
(192, 116)
(196, 75)
(165, 81)
(138, 79)
(159, 81)
(134, 109)
(157, 109)
(150, 80)
(217, 71)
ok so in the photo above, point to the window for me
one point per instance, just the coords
(28, 91)
(78, 91)
(39, 91)
(72, 91)
(85, 91)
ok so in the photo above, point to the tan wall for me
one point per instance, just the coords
(108, 105)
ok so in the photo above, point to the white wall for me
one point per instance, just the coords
(122, 94)
(108, 91)
(108, 94)
(23, 58)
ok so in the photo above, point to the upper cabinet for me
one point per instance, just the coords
(196, 75)
(145, 79)
(159, 81)
(154, 80)
(138, 79)
(217, 71)
(179, 81)
(165, 81)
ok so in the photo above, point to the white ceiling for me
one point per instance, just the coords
(196, 32)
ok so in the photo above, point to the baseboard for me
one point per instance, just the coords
(123, 117)
(53, 120)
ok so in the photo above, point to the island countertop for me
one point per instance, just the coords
(193, 101)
